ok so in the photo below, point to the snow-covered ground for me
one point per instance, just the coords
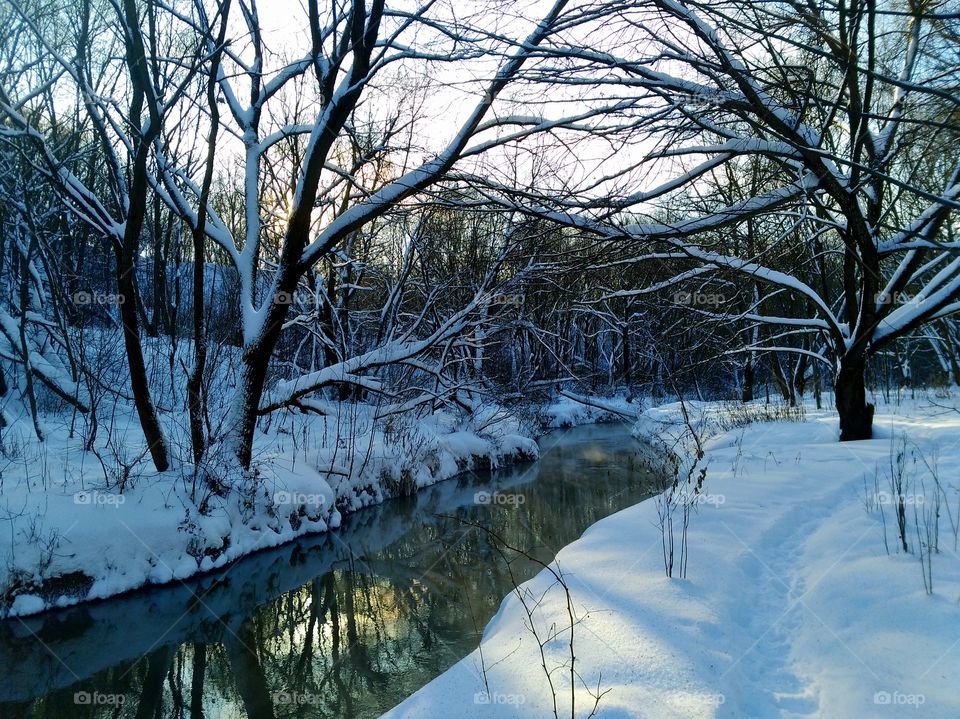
(74, 528)
(799, 599)
(573, 410)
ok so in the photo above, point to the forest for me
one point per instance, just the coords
(264, 264)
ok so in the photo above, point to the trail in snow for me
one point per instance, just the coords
(791, 608)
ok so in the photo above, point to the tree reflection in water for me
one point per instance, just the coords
(404, 593)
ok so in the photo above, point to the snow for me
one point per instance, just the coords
(791, 605)
(80, 537)
(27, 604)
(572, 410)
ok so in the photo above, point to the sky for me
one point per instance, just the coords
(455, 89)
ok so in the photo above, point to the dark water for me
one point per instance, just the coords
(345, 624)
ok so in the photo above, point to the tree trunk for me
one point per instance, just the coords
(816, 384)
(800, 375)
(780, 377)
(135, 360)
(951, 352)
(256, 360)
(747, 391)
(856, 414)
(129, 248)
(196, 394)
(160, 320)
(627, 359)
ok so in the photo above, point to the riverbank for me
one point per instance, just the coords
(799, 598)
(415, 607)
(77, 526)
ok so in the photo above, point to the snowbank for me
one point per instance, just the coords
(792, 605)
(77, 530)
(572, 410)
(672, 426)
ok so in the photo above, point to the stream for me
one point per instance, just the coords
(343, 624)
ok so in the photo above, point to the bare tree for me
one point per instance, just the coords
(152, 80)
(853, 104)
(327, 148)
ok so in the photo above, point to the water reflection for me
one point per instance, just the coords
(340, 625)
